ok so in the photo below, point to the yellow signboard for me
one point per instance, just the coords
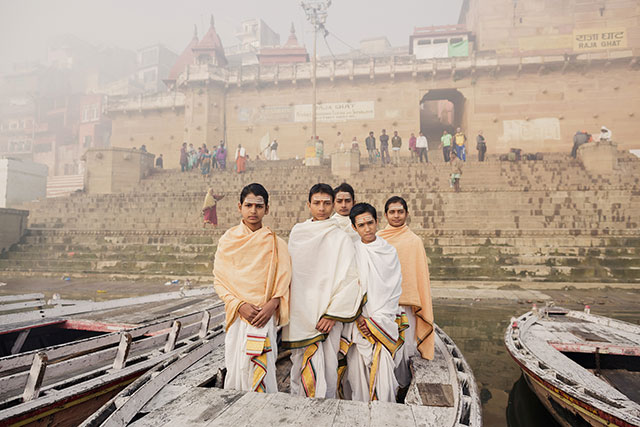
(590, 39)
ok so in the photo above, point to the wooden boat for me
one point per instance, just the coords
(189, 391)
(64, 383)
(585, 369)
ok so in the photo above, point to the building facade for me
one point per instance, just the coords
(527, 75)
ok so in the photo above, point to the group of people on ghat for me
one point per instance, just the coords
(353, 304)
(203, 158)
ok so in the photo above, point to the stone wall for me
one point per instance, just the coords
(161, 130)
(13, 225)
(510, 27)
(21, 181)
(115, 170)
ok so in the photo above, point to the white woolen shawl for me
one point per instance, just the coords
(344, 222)
(324, 280)
(381, 279)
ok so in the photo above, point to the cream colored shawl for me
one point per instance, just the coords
(324, 281)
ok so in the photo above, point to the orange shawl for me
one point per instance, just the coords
(416, 290)
(248, 269)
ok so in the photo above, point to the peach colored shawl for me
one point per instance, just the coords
(252, 267)
(416, 290)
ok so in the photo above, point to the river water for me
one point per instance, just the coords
(478, 328)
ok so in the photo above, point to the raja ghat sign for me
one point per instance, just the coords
(587, 39)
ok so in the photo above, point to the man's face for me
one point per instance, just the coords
(396, 215)
(253, 209)
(344, 203)
(366, 226)
(320, 206)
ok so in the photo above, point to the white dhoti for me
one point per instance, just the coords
(360, 360)
(325, 366)
(409, 348)
(255, 371)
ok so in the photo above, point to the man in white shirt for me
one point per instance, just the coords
(422, 146)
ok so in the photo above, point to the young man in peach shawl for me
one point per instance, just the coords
(252, 270)
(416, 290)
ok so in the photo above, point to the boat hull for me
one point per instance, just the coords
(72, 410)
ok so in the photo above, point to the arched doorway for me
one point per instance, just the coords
(440, 110)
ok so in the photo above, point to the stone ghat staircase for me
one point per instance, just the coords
(540, 220)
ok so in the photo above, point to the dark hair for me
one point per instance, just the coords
(255, 189)
(395, 199)
(322, 188)
(345, 188)
(361, 208)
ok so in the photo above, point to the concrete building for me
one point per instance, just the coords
(254, 35)
(154, 64)
(528, 82)
(21, 181)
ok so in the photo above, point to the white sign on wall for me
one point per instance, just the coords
(531, 130)
(335, 112)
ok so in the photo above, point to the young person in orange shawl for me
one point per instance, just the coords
(252, 270)
(416, 290)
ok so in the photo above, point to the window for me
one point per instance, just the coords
(90, 113)
(4, 146)
(456, 40)
(424, 42)
(87, 141)
(439, 41)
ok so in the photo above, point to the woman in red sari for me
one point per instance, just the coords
(209, 208)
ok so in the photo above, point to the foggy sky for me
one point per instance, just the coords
(25, 25)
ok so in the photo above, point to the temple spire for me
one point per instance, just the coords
(195, 31)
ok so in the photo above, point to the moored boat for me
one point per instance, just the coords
(45, 381)
(443, 392)
(584, 368)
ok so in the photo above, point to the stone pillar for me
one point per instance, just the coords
(599, 158)
(345, 163)
(115, 170)
(13, 224)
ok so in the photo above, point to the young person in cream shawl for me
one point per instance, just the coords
(345, 198)
(416, 291)
(378, 333)
(252, 272)
(324, 293)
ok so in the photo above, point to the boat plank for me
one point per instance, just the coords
(430, 416)
(352, 414)
(285, 409)
(243, 411)
(24, 297)
(319, 412)
(166, 395)
(201, 371)
(196, 407)
(384, 414)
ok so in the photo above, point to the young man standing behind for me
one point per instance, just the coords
(324, 293)
(344, 200)
(252, 272)
(416, 290)
(379, 332)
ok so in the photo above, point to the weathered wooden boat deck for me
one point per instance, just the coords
(194, 398)
(594, 360)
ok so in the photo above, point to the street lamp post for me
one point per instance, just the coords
(316, 11)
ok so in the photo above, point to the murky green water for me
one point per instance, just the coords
(478, 329)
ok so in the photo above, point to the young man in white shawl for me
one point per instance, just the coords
(324, 293)
(378, 333)
(252, 272)
(345, 198)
